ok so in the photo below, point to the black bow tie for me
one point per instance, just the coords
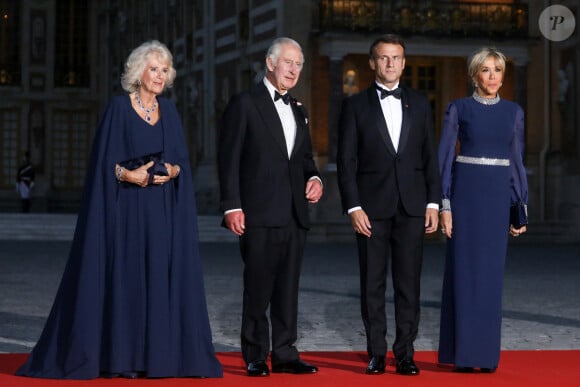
(385, 93)
(285, 98)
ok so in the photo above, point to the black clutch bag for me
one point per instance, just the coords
(158, 167)
(518, 215)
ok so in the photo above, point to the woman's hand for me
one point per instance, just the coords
(446, 222)
(173, 172)
(138, 176)
(515, 232)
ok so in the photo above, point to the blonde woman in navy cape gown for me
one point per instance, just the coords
(131, 302)
(479, 186)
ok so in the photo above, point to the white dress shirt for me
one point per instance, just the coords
(393, 113)
(286, 116)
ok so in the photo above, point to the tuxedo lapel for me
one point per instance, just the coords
(381, 124)
(407, 117)
(266, 109)
(301, 125)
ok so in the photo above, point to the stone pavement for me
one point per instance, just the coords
(60, 227)
(541, 296)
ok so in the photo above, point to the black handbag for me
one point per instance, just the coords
(518, 215)
(158, 168)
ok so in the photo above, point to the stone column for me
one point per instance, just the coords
(334, 104)
(521, 86)
(328, 211)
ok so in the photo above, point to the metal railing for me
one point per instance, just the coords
(433, 18)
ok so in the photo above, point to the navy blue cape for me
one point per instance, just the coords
(132, 296)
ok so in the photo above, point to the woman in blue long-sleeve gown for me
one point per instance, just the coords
(131, 301)
(480, 184)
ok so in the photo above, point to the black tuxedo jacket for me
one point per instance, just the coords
(254, 170)
(371, 174)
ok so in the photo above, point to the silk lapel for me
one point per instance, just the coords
(381, 124)
(301, 125)
(406, 124)
(265, 107)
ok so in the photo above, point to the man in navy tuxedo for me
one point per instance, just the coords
(390, 187)
(267, 178)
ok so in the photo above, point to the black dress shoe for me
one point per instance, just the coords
(376, 365)
(487, 370)
(295, 367)
(464, 370)
(257, 368)
(407, 367)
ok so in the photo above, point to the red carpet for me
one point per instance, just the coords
(337, 369)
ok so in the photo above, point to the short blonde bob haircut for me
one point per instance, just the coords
(137, 60)
(480, 56)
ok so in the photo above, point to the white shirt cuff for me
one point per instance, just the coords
(434, 206)
(351, 210)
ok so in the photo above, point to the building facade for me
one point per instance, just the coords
(61, 60)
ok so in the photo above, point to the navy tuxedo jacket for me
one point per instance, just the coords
(371, 174)
(254, 170)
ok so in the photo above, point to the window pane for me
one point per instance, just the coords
(9, 147)
(9, 38)
(71, 44)
(70, 148)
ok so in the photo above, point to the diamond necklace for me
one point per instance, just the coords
(147, 111)
(485, 101)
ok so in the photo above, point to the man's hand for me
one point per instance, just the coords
(313, 190)
(235, 222)
(360, 223)
(431, 220)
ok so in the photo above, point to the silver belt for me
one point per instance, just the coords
(483, 161)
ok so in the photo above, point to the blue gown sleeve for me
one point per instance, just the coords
(519, 184)
(446, 152)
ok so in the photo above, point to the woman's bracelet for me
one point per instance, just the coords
(119, 172)
(445, 205)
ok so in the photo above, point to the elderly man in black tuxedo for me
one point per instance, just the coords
(390, 186)
(267, 178)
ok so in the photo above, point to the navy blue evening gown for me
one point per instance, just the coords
(480, 192)
(132, 297)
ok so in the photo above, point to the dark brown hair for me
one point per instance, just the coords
(387, 39)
